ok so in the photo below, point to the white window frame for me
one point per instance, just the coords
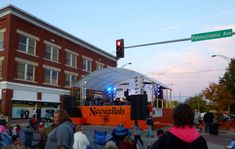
(85, 64)
(26, 66)
(26, 63)
(2, 32)
(28, 37)
(51, 69)
(1, 60)
(71, 74)
(72, 57)
(99, 65)
(52, 47)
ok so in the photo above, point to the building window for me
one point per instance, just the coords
(99, 66)
(69, 79)
(87, 65)
(51, 76)
(51, 53)
(25, 71)
(1, 59)
(1, 40)
(27, 44)
(71, 59)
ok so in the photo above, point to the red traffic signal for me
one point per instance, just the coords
(120, 48)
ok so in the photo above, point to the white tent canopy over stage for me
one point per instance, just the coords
(112, 76)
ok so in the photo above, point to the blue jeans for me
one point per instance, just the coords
(149, 131)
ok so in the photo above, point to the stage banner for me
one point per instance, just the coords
(106, 115)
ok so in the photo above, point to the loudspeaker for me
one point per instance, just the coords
(70, 106)
(139, 107)
(126, 93)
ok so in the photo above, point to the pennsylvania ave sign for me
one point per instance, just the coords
(212, 35)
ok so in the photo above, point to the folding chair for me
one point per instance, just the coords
(100, 138)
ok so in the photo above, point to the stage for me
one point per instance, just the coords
(115, 115)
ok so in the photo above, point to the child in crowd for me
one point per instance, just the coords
(19, 133)
(32, 122)
(42, 134)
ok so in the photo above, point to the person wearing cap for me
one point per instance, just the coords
(119, 133)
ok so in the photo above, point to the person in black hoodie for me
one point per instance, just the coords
(182, 135)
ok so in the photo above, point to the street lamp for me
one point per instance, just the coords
(222, 56)
(126, 64)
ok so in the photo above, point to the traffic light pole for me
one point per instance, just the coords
(161, 42)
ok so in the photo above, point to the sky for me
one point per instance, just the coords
(187, 67)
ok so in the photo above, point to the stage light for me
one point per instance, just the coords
(109, 89)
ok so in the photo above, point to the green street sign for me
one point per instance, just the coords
(212, 35)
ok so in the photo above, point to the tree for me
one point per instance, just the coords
(228, 81)
(197, 103)
(220, 98)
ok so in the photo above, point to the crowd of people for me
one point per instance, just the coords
(11, 137)
(58, 132)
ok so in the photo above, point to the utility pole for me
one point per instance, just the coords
(180, 96)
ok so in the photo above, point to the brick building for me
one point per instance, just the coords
(40, 62)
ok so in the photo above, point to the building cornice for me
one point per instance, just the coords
(11, 9)
(43, 89)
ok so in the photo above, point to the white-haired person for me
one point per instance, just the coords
(80, 139)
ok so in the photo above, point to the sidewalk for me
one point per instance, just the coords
(221, 140)
(22, 122)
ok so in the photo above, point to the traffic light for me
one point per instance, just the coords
(120, 48)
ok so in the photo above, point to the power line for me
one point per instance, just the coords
(199, 71)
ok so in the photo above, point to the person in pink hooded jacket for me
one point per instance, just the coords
(182, 135)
